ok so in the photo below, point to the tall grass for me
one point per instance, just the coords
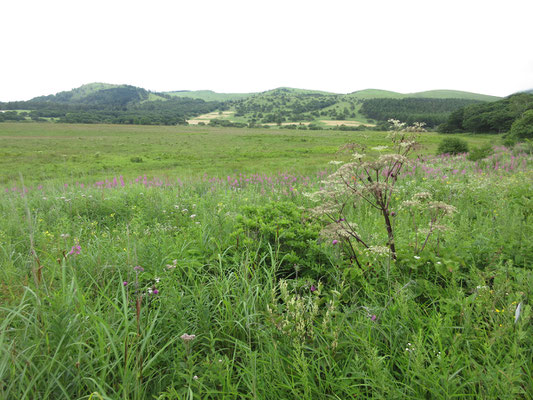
(93, 326)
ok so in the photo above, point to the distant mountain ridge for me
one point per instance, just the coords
(88, 93)
(112, 103)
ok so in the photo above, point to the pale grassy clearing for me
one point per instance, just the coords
(344, 122)
(205, 118)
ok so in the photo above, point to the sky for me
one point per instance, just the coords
(236, 46)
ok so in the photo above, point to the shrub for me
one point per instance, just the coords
(452, 146)
(480, 153)
(285, 228)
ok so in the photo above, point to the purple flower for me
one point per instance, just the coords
(138, 268)
(125, 283)
(75, 250)
(313, 288)
(155, 291)
(335, 241)
(373, 317)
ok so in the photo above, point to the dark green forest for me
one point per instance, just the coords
(117, 105)
(510, 115)
(431, 111)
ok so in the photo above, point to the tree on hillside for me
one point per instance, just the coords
(522, 128)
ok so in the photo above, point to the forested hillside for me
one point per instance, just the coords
(494, 117)
(125, 104)
(112, 104)
(411, 109)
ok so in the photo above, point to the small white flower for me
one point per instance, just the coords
(187, 338)
(193, 215)
(417, 257)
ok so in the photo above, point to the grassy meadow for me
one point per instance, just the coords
(66, 153)
(142, 262)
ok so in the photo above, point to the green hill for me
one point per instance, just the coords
(289, 105)
(106, 103)
(453, 94)
(103, 102)
(375, 94)
(209, 95)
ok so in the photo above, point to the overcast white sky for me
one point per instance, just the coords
(246, 46)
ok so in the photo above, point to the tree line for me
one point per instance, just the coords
(495, 117)
(432, 112)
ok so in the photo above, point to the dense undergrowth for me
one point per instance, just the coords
(99, 286)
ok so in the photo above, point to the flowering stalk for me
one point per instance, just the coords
(372, 182)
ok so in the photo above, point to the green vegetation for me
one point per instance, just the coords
(432, 112)
(254, 285)
(452, 146)
(209, 95)
(112, 104)
(453, 94)
(522, 127)
(77, 152)
(124, 104)
(495, 117)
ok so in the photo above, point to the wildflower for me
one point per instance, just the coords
(312, 288)
(155, 291)
(417, 257)
(373, 317)
(125, 283)
(378, 250)
(193, 215)
(75, 250)
(187, 338)
(138, 268)
(335, 241)
(195, 377)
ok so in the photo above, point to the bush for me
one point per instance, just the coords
(452, 146)
(480, 153)
(283, 226)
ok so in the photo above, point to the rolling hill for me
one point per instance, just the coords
(103, 102)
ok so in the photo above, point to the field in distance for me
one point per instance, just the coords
(68, 153)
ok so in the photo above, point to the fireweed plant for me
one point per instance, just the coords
(373, 181)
